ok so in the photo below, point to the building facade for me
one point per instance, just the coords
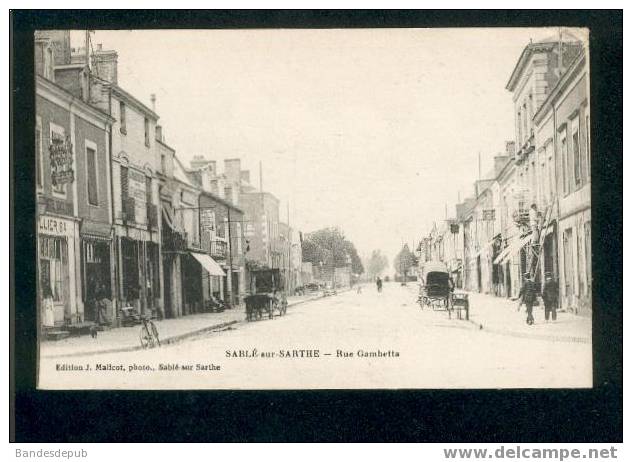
(75, 266)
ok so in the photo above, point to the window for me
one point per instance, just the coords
(124, 181)
(548, 152)
(565, 164)
(38, 155)
(148, 191)
(122, 118)
(525, 128)
(576, 152)
(91, 165)
(519, 129)
(587, 141)
(146, 132)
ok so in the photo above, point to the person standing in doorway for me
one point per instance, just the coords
(528, 296)
(549, 296)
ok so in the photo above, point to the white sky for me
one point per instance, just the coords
(372, 130)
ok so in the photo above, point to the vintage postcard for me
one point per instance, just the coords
(313, 208)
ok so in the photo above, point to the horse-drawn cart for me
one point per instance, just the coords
(268, 298)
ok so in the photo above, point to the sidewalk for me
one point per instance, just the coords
(499, 315)
(170, 330)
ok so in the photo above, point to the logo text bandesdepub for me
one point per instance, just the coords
(52, 453)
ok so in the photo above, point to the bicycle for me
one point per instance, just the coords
(148, 333)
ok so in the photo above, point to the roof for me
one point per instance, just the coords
(178, 173)
(434, 266)
(561, 85)
(546, 44)
(62, 92)
(128, 97)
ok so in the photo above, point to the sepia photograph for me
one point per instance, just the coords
(313, 208)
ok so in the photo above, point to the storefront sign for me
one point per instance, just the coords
(52, 226)
(138, 190)
(489, 215)
(207, 219)
(60, 151)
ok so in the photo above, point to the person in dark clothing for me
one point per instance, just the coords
(378, 282)
(549, 296)
(527, 296)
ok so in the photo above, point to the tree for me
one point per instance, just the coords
(328, 245)
(376, 263)
(404, 261)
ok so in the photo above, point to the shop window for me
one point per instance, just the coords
(91, 165)
(588, 247)
(568, 261)
(53, 253)
(581, 262)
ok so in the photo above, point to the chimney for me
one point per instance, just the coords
(105, 64)
(153, 102)
(245, 176)
(232, 170)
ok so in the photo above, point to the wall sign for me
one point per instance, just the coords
(60, 151)
(53, 226)
(489, 215)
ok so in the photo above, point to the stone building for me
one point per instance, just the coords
(75, 258)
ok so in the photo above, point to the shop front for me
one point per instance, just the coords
(59, 292)
(96, 251)
(140, 275)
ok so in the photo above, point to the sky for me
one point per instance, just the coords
(375, 131)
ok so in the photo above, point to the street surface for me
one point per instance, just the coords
(368, 340)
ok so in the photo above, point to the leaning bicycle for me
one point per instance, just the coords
(148, 333)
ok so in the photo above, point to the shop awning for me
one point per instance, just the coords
(208, 264)
(512, 249)
(96, 230)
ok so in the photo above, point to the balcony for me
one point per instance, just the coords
(218, 249)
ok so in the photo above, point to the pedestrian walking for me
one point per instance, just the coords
(527, 296)
(549, 296)
(378, 283)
